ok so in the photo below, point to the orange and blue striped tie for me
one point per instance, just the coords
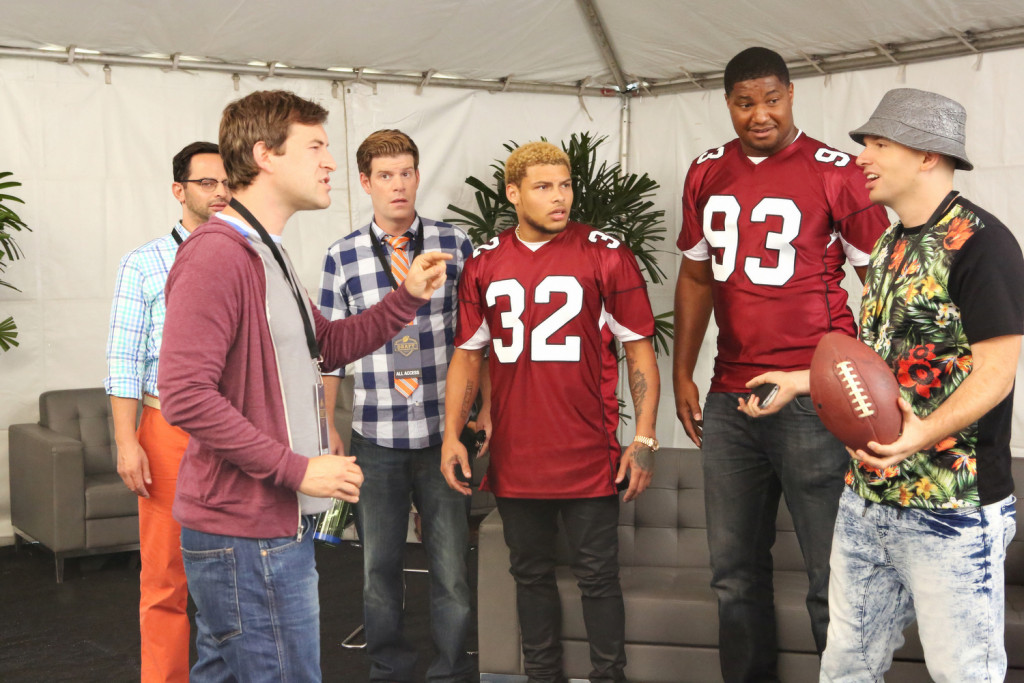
(400, 269)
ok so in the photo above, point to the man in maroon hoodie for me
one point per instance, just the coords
(240, 372)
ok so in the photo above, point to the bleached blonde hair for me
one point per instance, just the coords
(532, 154)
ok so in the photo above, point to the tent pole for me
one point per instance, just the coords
(624, 125)
(285, 71)
(348, 165)
(604, 44)
(878, 56)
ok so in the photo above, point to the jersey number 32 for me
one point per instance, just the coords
(541, 348)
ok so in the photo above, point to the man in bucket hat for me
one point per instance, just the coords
(924, 521)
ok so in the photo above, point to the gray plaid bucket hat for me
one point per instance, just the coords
(920, 120)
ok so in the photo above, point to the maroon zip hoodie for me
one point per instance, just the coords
(218, 381)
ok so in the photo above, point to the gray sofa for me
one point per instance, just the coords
(65, 490)
(671, 611)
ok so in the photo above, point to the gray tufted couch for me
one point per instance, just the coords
(65, 490)
(671, 611)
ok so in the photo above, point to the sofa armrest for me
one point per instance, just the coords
(498, 625)
(47, 475)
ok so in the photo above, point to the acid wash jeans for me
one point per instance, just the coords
(944, 567)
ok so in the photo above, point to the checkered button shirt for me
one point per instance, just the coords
(353, 280)
(137, 317)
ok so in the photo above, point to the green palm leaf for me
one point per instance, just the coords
(9, 251)
(8, 334)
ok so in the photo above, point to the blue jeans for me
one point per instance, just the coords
(391, 477)
(748, 463)
(258, 610)
(945, 567)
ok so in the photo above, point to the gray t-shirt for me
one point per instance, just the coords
(297, 375)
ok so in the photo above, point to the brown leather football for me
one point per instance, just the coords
(854, 392)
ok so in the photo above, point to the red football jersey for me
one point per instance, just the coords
(549, 317)
(778, 233)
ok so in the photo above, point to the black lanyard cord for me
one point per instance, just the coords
(297, 292)
(176, 236)
(944, 207)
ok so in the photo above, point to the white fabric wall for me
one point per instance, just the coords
(95, 163)
(669, 132)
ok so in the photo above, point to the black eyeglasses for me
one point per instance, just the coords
(208, 184)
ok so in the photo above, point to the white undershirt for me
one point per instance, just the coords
(532, 246)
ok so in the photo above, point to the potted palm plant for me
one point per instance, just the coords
(9, 251)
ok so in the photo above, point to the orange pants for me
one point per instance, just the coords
(164, 591)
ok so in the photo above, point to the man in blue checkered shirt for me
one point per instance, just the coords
(399, 415)
(148, 458)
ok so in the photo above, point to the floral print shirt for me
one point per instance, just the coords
(909, 316)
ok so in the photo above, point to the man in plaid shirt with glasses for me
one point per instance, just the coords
(148, 459)
(399, 415)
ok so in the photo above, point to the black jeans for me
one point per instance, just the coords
(591, 529)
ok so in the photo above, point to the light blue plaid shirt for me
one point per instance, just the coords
(137, 317)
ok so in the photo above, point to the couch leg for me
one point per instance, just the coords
(59, 559)
(18, 542)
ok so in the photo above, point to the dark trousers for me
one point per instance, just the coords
(591, 529)
(748, 463)
(392, 476)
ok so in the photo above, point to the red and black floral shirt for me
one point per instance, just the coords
(929, 293)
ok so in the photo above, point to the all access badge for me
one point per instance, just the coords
(406, 357)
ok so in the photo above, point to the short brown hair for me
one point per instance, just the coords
(265, 115)
(389, 142)
(532, 154)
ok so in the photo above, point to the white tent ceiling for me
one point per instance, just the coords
(664, 45)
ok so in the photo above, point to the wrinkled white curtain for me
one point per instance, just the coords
(95, 163)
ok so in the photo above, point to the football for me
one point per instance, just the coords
(854, 392)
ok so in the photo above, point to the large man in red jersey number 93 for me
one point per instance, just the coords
(768, 221)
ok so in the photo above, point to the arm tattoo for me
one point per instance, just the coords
(467, 401)
(638, 388)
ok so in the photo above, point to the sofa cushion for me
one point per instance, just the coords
(107, 496)
(666, 526)
(666, 606)
(84, 415)
(122, 532)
